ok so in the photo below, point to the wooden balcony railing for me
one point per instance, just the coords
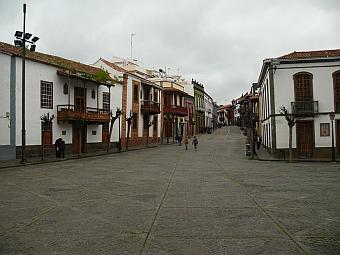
(176, 110)
(150, 107)
(72, 113)
(305, 108)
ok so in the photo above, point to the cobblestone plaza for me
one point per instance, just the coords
(166, 200)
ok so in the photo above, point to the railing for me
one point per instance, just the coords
(305, 108)
(90, 114)
(175, 109)
(200, 109)
(150, 107)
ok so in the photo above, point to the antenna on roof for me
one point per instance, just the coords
(132, 35)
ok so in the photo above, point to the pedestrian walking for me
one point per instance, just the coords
(180, 140)
(195, 142)
(186, 141)
(258, 142)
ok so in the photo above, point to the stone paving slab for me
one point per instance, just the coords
(168, 200)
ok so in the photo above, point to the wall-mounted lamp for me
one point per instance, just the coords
(93, 94)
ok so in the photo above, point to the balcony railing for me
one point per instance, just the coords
(176, 110)
(305, 108)
(72, 113)
(200, 109)
(150, 107)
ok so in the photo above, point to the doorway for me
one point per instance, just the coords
(305, 139)
(79, 135)
(79, 99)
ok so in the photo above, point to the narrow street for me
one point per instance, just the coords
(166, 200)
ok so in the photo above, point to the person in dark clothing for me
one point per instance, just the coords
(258, 142)
(62, 149)
(57, 146)
(179, 140)
(195, 142)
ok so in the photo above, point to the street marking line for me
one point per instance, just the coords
(158, 209)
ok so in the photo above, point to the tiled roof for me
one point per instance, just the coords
(312, 54)
(49, 59)
(113, 66)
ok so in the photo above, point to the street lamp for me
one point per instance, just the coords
(21, 39)
(332, 117)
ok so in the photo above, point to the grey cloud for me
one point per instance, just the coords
(220, 43)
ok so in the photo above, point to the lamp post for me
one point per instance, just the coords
(332, 117)
(21, 39)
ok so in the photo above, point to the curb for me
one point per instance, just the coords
(38, 162)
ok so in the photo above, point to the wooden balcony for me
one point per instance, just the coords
(305, 108)
(72, 113)
(176, 110)
(150, 107)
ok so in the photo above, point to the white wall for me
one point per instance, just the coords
(5, 63)
(322, 92)
(115, 99)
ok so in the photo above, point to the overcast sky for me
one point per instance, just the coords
(219, 43)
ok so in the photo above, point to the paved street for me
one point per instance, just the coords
(166, 200)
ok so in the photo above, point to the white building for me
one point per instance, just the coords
(141, 97)
(308, 85)
(208, 114)
(63, 88)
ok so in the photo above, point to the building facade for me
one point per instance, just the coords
(208, 113)
(307, 84)
(66, 89)
(140, 97)
(199, 106)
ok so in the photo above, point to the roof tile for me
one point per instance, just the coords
(312, 54)
(49, 59)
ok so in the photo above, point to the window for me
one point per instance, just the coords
(63, 132)
(336, 88)
(303, 86)
(65, 89)
(324, 129)
(106, 101)
(134, 120)
(94, 132)
(135, 93)
(46, 94)
(155, 96)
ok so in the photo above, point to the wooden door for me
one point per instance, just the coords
(46, 133)
(79, 137)
(105, 133)
(305, 139)
(79, 99)
(337, 135)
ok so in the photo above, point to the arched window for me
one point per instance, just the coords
(336, 88)
(303, 86)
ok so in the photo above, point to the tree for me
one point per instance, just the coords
(291, 120)
(128, 120)
(150, 123)
(113, 119)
